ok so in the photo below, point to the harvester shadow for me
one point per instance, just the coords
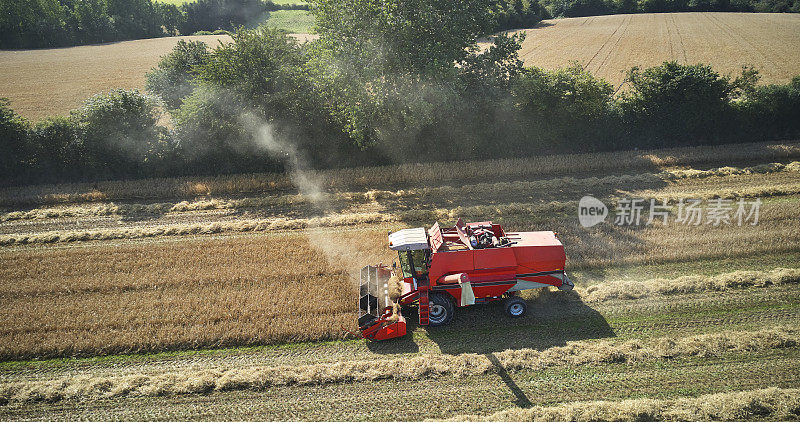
(521, 399)
(405, 344)
(553, 319)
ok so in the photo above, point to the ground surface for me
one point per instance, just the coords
(195, 269)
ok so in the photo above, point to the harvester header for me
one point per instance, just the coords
(441, 269)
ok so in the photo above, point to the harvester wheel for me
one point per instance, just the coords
(516, 307)
(441, 309)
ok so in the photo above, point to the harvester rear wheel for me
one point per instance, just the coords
(441, 309)
(515, 307)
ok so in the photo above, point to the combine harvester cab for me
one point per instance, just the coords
(468, 264)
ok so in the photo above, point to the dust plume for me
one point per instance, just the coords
(310, 185)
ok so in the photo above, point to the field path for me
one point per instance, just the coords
(610, 45)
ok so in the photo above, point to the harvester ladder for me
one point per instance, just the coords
(424, 305)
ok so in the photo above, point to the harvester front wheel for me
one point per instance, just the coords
(441, 309)
(516, 307)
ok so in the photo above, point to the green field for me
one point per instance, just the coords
(175, 2)
(295, 21)
(180, 2)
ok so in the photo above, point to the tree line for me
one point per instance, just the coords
(395, 81)
(59, 23)
(575, 8)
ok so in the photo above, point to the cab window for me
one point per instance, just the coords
(418, 258)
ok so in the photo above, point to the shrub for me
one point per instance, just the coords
(120, 137)
(772, 111)
(57, 151)
(568, 105)
(512, 14)
(173, 78)
(13, 143)
(678, 104)
(211, 15)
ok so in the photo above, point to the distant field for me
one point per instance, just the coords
(175, 2)
(610, 45)
(41, 83)
(296, 21)
(180, 2)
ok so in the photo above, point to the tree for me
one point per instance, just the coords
(91, 22)
(683, 103)
(424, 37)
(32, 23)
(265, 67)
(173, 78)
(13, 142)
(263, 74)
(394, 66)
(120, 136)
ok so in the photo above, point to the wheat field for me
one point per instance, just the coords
(608, 46)
(51, 82)
(231, 297)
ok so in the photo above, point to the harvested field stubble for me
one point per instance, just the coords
(222, 291)
(147, 296)
(603, 245)
(554, 213)
(196, 381)
(771, 404)
(630, 289)
(401, 175)
(425, 194)
(193, 229)
(284, 279)
(607, 46)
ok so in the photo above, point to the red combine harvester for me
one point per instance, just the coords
(469, 264)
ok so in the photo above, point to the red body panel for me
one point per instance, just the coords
(538, 251)
(493, 271)
(384, 332)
